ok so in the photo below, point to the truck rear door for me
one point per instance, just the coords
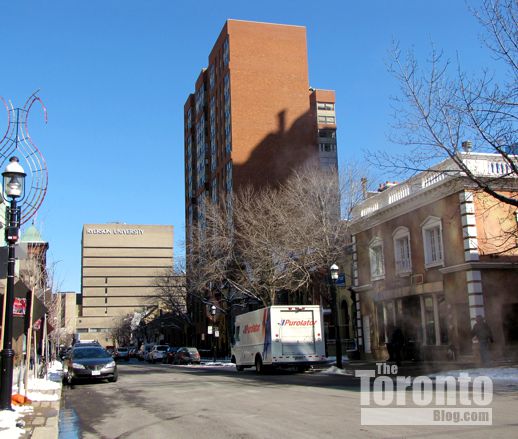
(297, 331)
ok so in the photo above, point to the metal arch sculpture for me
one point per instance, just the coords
(17, 141)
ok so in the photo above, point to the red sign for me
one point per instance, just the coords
(19, 306)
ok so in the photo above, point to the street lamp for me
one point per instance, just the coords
(213, 313)
(334, 272)
(13, 188)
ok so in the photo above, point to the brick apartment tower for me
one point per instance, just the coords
(253, 117)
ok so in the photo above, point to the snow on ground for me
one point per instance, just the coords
(9, 420)
(333, 370)
(501, 376)
(218, 364)
(39, 390)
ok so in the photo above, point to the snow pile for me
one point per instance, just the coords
(218, 364)
(333, 370)
(44, 389)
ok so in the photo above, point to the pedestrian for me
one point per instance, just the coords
(397, 340)
(483, 334)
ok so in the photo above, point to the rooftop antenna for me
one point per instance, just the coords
(17, 141)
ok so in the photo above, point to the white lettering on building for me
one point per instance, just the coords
(114, 231)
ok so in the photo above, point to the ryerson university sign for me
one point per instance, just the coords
(114, 231)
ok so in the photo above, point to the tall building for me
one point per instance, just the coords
(253, 118)
(120, 264)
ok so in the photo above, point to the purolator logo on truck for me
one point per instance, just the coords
(252, 328)
(288, 322)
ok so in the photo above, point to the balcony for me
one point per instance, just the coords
(481, 165)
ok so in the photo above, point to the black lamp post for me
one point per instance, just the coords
(213, 313)
(13, 188)
(334, 272)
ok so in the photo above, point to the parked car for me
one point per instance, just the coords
(187, 355)
(144, 351)
(133, 351)
(92, 362)
(122, 353)
(169, 355)
(157, 353)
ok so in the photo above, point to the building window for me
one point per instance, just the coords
(200, 99)
(402, 253)
(211, 76)
(229, 178)
(382, 330)
(189, 119)
(327, 134)
(225, 52)
(327, 147)
(429, 320)
(432, 240)
(326, 119)
(214, 191)
(442, 311)
(325, 106)
(376, 259)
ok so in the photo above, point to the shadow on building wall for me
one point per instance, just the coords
(274, 159)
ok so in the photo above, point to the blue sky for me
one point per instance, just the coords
(114, 75)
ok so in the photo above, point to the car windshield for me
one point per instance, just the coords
(162, 348)
(122, 350)
(192, 350)
(82, 353)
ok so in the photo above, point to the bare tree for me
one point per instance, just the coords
(437, 111)
(121, 330)
(171, 294)
(277, 240)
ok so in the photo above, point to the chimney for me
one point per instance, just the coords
(364, 187)
(467, 146)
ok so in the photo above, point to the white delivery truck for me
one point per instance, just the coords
(279, 336)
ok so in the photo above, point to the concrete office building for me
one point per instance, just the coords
(119, 265)
(253, 118)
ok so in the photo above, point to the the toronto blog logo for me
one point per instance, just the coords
(390, 399)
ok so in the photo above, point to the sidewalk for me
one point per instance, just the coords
(40, 417)
(42, 422)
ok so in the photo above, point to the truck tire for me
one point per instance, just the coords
(234, 361)
(259, 364)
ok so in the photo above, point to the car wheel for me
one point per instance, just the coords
(114, 378)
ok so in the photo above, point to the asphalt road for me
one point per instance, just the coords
(164, 401)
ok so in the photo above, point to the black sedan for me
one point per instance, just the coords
(92, 362)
